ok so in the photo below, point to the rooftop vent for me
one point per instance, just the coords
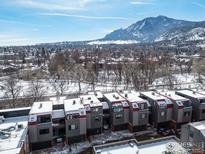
(40, 105)
(89, 98)
(153, 93)
(194, 92)
(91, 102)
(74, 102)
(126, 95)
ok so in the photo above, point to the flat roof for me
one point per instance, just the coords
(98, 94)
(56, 114)
(131, 97)
(42, 107)
(153, 95)
(72, 106)
(92, 100)
(161, 146)
(172, 95)
(156, 146)
(114, 97)
(121, 147)
(191, 93)
(14, 140)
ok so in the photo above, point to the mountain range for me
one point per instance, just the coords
(157, 29)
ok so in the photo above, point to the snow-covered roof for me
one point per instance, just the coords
(161, 146)
(200, 125)
(131, 97)
(158, 146)
(173, 96)
(72, 106)
(121, 147)
(91, 100)
(98, 94)
(191, 93)
(16, 130)
(153, 95)
(58, 114)
(45, 107)
(114, 97)
(105, 105)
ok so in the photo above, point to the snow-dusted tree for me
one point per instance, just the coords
(199, 68)
(60, 86)
(37, 89)
(12, 90)
(79, 74)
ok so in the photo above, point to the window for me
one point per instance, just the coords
(118, 116)
(72, 127)
(186, 114)
(191, 134)
(143, 116)
(74, 116)
(97, 118)
(162, 113)
(44, 119)
(203, 111)
(44, 131)
(95, 109)
(142, 106)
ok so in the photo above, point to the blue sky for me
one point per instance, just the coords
(35, 21)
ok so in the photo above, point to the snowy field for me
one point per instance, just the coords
(179, 81)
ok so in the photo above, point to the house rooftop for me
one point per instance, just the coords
(13, 134)
(91, 100)
(173, 96)
(98, 94)
(153, 95)
(114, 97)
(72, 106)
(192, 93)
(45, 107)
(131, 97)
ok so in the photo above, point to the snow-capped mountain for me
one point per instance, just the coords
(160, 28)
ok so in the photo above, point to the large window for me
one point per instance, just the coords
(44, 131)
(162, 113)
(95, 110)
(44, 119)
(187, 114)
(72, 127)
(118, 116)
(143, 116)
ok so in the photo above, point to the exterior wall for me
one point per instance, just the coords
(143, 117)
(45, 137)
(74, 132)
(96, 118)
(195, 106)
(83, 126)
(126, 115)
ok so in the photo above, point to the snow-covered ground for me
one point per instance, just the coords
(113, 42)
(70, 88)
(179, 81)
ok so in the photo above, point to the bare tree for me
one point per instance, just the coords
(38, 90)
(12, 90)
(79, 74)
(60, 86)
